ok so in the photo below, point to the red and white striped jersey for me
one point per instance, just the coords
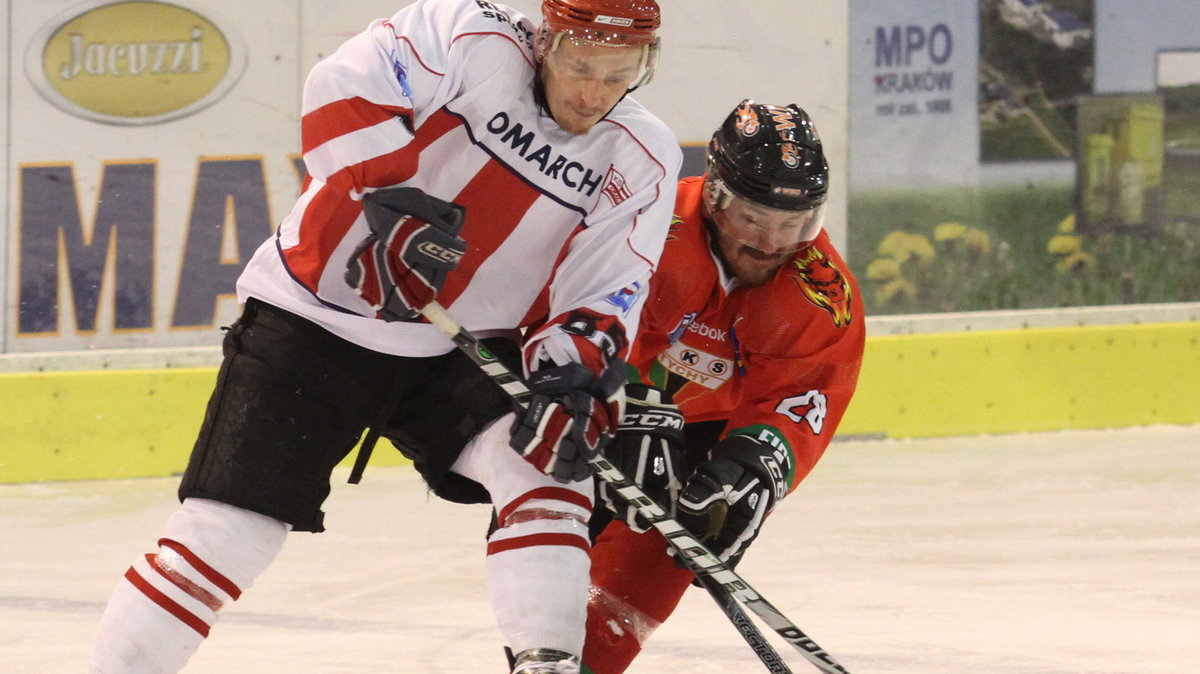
(441, 97)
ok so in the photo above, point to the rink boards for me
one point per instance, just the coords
(118, 422)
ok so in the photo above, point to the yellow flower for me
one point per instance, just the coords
(903, 246)
(949, 231)
(1067, 224)
(1076, 262)
(978, 241)
(894, 289)
(920, 247)
(1063, 244)
(883, 269)
(894, 246)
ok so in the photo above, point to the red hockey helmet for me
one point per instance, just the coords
(617, 23)
(614, 22)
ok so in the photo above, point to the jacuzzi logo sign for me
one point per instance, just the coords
(134, 63)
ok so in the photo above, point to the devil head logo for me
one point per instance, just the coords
(824, 285)
(747, 122)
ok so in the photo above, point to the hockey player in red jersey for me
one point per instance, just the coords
(457, 152)
(754, 329)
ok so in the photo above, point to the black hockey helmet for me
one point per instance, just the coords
(770, 155)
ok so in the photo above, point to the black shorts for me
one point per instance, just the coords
(292, 400)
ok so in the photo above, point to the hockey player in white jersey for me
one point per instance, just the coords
(454, 152)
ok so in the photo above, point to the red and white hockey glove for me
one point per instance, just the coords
(571, 416)
(413, 245)
(727, 498)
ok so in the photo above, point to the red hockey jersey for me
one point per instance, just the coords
(441, 97)
(780, 362)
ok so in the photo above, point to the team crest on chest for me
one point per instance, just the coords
(824, 285)
(614, 187)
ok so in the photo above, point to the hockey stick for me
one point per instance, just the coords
(750, 633)
(515, 387)
(721, 581)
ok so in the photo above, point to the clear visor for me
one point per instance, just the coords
(768, 230)
(632, 74)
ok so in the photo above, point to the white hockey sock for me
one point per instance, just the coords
(163, 608)
(537, 560)
(537, 571)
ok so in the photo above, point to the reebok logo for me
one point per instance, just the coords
(709, 332)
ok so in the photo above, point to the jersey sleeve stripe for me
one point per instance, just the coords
(306, 261)
(345, 116)
(352, 154)
(331, 212)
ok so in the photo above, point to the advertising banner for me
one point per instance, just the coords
(153, 146)
(150, 155)
(912, 94)
(963, 116)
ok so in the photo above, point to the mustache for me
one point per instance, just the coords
(751, 251)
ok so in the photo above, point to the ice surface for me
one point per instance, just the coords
(1020, 554)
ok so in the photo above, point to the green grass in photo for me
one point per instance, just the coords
(1011, 248)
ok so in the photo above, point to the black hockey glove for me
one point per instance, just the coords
(648, 449)
(726, 499)
(571, 416)
(414, 243)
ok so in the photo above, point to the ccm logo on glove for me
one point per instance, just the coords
(400, 267)
(440, 253)
(648, 449)
(647, 421)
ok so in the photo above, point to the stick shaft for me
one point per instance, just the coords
(741, 622)
(721, 581)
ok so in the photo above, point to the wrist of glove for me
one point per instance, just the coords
(400, 267)
(572, 415)
(648, 449)
(726, 499)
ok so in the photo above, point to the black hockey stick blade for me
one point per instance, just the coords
(750, 633)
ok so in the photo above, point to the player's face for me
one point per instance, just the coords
(756, 241)
(584, 80)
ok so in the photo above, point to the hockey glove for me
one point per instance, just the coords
(571, 416)
(726, 499)
(648, 449)
(414, 243)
